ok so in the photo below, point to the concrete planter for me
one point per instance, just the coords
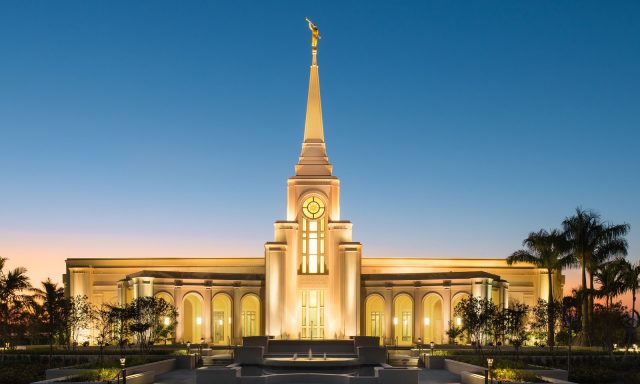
(138, 374)
(473, 374)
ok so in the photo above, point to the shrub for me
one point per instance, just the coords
(100, 374)
(514, 375)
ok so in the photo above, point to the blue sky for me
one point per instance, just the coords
(157, 128)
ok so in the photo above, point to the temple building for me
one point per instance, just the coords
(312, 281)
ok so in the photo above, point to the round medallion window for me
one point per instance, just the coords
(313, 207)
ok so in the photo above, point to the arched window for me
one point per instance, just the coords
(222, 318)
(432, 318)
(403, 319)
(191, 318)
(313, 224)
(250, 315)
(374, 321)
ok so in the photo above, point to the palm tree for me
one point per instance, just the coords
(610, 276)
(547, 250)
(53, 304)
(631, 279)
(592, 242)
(13, 284)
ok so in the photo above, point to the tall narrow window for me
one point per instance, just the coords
(313, 236)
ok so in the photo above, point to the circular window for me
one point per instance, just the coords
(313, 207)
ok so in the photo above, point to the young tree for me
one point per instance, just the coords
(121, 331)
(610, 277)
(150, 317)
(545, 317)
(78, 319)
(516, 328)
(592, 242)
(631, 280)
(548, 250)
(103, 323)
(476, 315)
(13, 302)
(53, 304)
(609, 324)
(454, 332)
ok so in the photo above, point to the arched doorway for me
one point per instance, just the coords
(403, 319)
(374, 315)
(192, 318)
(432, 318)
(250, 315)
(221, 318)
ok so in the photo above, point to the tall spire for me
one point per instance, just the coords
(313, 157)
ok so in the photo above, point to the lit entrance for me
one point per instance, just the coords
(312, 322)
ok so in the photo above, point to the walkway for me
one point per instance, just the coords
(428, 376)
(179, 376)
(438, 376)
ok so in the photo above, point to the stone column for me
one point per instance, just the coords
(446, 306)
(237, 314)
(206, 312)
(388, 313)
(177, 297)
(274, 289)
(350, 253)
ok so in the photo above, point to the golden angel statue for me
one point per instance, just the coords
(315, 34)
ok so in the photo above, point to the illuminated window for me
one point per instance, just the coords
(406, 326)
(313, 224)
(377, 318)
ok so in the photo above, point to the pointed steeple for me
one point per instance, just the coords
(313, 157)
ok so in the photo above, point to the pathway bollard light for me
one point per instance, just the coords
(489, 364)
(123, 370)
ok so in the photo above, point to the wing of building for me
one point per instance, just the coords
(312, 281)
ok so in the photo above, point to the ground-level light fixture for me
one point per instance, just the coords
(123, 361)
(458, 321)
(167, 321)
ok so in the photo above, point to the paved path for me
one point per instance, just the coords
(438, 376)
(179, 376)
(428, 376)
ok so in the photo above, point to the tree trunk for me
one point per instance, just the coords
(591, 299)
(585, 307)
(550, 313)
(633, 308)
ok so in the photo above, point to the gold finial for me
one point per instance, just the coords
(315, 34)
